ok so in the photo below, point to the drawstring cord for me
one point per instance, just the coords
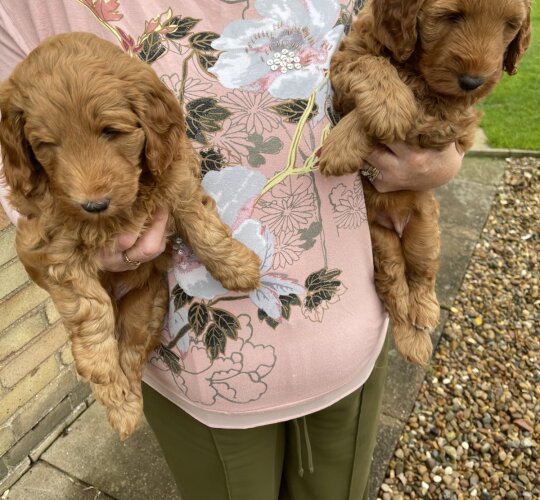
(299, 447)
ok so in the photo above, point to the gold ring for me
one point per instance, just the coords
(127, 260)
(371, 173)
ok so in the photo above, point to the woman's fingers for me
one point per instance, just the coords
(138, 247)
(403, 167)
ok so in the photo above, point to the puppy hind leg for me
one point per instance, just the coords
(88, 315)
(391, 285)
(421, 244)
(140, 320)
(345, 148)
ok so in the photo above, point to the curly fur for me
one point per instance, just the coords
(397, 75)
(82, 121)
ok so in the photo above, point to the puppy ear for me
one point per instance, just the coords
(395, 24)
(161, 118)
(518, 46)
(22, 172)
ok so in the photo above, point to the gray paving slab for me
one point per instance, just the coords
(401, 387)
(44, 482)
(465, 206)
(482, 170)
(92, 453)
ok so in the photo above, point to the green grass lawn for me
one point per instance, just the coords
(512, 114)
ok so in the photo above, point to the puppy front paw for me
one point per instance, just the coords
(333, 164)
(241, 272)
(392, 118)
(344, 149)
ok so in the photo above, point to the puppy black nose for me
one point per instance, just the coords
(470, 82)
(96, 206)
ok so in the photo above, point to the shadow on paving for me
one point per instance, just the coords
(90, 462)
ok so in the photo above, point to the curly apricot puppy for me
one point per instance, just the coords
(413, 70)
(94, 143)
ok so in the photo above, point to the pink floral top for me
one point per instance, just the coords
(253, 80)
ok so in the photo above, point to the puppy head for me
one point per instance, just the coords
(466, 44)
(84, 124)
(461, 47)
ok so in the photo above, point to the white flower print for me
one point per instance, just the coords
(193, 87)
(292, 205)
(172, 81)
(349, 206)
(253, 110)
(286, 53)
(266, 297)
(231, 141)
(197, 89)
(287, 249)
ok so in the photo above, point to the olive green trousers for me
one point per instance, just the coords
(323, 456)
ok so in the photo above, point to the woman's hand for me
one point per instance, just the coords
(138, 247)
(402, 167)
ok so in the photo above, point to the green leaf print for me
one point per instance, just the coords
(202, 42)
(272, 146)
(310, 235)
(321, 286)
(206, 61)
(182, 27)
(293, 110)
(198, 317)
(227, 322)
(272, 323)
(180, 298)
(333, 115)
(152, 48)
(170, 359)
(287, 301)
(215, 341)
(204, 115)
(211, 160)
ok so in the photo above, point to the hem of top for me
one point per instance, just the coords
(272, 415)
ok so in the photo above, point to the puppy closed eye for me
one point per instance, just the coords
(453, 17)
(41, 145)
(111, 133)
(513, 24)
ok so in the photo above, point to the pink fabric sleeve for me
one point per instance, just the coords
(12, 51)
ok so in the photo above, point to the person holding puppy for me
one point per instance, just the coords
(274, 393)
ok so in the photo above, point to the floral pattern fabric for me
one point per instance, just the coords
(252, 77)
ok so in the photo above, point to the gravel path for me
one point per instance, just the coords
(475, 428)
